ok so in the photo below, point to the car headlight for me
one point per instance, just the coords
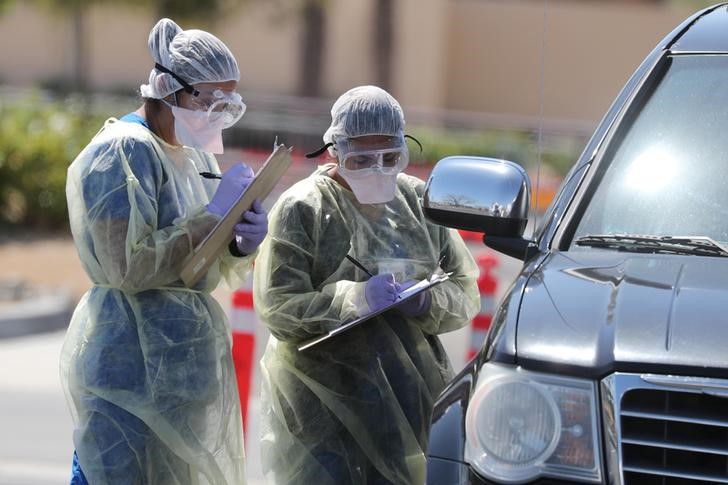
(521, 425)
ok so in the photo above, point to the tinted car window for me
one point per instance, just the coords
(667, 176)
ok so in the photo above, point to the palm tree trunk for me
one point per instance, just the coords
(383, 42)
(80, 52)
(312, 48)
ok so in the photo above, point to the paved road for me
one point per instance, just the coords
(35, 426)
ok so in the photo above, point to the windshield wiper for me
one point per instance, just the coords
(695, 245)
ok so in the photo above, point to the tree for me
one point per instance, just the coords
(383, 42)
(312, 44)
(4, 4)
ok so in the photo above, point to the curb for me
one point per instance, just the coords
(28, 310)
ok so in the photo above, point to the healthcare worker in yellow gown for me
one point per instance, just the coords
(146, 363)
(355, 409)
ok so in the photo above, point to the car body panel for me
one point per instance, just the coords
(448, 427)
(594, 312)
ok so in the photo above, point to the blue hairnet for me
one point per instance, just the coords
(365, 110)
(194, 55)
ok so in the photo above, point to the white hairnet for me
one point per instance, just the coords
(194, 55)
(365, 110)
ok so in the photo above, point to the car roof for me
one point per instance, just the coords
(708, 32)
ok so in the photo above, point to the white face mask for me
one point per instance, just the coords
(194, 129)
(373, 188)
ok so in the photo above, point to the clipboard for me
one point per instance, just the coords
(423, 285)
(217, 241)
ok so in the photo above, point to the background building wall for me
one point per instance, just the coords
(591, 48)
(476, 58)
(37, 46)
(265, 43)
(118, 58)
(421, 53)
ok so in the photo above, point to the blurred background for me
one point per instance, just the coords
(524, 80)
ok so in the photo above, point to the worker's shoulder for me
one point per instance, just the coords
(125, 135)
(118, 144)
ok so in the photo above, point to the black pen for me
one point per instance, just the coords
(210, 175)
(359, 265)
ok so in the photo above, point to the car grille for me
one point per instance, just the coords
(670, 430)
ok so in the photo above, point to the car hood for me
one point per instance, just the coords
(603, 311)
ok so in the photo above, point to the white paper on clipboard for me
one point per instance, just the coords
(221, 235)
(419, 287)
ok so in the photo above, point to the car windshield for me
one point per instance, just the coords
(667, 176)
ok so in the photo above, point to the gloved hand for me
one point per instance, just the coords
(252, 230)
(418, 304)
(233, 183)
(381, 290)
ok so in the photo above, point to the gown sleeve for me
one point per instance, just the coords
(119, 194)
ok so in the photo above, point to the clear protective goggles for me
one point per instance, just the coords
(362, 156)
(224, 107)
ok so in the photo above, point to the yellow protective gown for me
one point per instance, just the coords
(146, 363)
(354, 409)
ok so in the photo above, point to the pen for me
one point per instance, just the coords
(210, 175)
(359, 265)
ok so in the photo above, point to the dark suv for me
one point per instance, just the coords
(607, 359)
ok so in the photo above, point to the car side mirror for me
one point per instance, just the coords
(485, 195)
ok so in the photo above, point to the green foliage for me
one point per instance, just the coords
(4, 5)
(38, 140)
(556, 152)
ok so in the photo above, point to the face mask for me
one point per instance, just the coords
(372, 188)
(194, 129)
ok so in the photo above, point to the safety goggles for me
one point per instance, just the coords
(388, 156)
(221, 106)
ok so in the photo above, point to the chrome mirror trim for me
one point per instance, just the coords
(479, 194)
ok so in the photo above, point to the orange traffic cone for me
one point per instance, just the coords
(243, 323)
(487, 285)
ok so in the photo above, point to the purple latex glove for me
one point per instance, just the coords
(252, 230)
(233, 183)
(381, 290)
(418, 304)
